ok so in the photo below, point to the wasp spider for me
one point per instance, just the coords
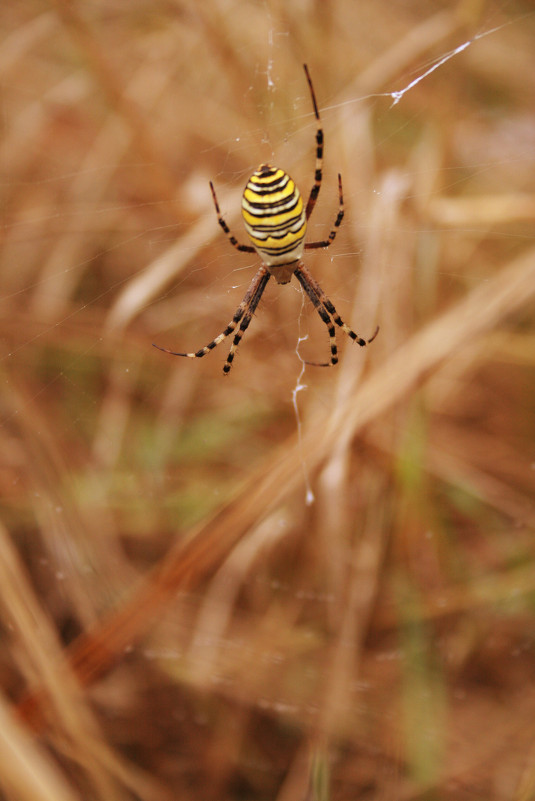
(276, 222)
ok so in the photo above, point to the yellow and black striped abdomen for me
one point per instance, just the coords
(274, 216)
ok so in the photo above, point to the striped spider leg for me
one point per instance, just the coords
(242, 315)
(328, 314)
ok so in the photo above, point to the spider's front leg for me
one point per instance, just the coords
(327, 312)
(242, 315)
(251, 301)
(303, 276)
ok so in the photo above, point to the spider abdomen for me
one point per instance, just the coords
(274, 216)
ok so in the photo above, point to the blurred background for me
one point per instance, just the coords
(291, 582)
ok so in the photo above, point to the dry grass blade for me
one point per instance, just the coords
(26, 771)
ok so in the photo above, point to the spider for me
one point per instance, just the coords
(276, 222)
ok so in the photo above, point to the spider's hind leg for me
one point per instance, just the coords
(318, 172)
(230, 236)
(324, 243)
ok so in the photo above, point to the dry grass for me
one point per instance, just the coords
(178, 622)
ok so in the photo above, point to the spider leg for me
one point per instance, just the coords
(243, 313)
(312, 293)
(231, 238)
(314, 192)
(321, 301)
(261, 279)
(339, 217)
(330, 307)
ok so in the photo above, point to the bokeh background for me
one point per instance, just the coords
(292, 582)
